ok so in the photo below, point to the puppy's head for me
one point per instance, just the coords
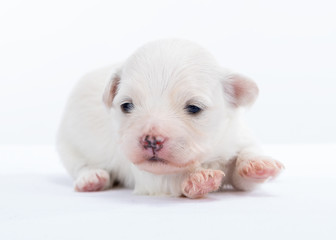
(173, 102)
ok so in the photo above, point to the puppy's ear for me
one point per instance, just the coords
(111, 89)
(240, 90)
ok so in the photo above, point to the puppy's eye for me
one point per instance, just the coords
(126, 107)
(192, 109)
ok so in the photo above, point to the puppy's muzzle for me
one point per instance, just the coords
(152, 143)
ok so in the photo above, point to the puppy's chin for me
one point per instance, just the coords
(161, 166)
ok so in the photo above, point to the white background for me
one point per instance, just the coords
(288, 47)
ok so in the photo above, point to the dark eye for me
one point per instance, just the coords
(126, 107)
(192, 109)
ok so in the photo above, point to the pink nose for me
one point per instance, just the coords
(154, 143)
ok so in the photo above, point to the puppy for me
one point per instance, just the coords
(167, 121)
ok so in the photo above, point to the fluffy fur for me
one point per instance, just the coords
(159, 147)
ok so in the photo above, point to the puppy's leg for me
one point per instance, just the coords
(201, 182)
(251, 169)
(87, 177)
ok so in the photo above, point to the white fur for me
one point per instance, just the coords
(160, 78)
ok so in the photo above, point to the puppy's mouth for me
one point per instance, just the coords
(160, 166)
(156, 159)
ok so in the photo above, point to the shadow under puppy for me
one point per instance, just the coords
(170, 123)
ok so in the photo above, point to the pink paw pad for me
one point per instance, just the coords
(93, 180)
(202, 182)
(260, 169)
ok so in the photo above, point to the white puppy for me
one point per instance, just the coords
(165, 122)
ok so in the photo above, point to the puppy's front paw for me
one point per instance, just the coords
(92, 180)
(200, 183)
(260, 168)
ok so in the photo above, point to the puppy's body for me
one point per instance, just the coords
(171, 124)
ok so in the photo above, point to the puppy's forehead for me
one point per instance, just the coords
(170, 66)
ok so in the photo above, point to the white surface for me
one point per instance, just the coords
(37, 202)
(287, 46)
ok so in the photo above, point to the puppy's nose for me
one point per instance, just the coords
(155, 143)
